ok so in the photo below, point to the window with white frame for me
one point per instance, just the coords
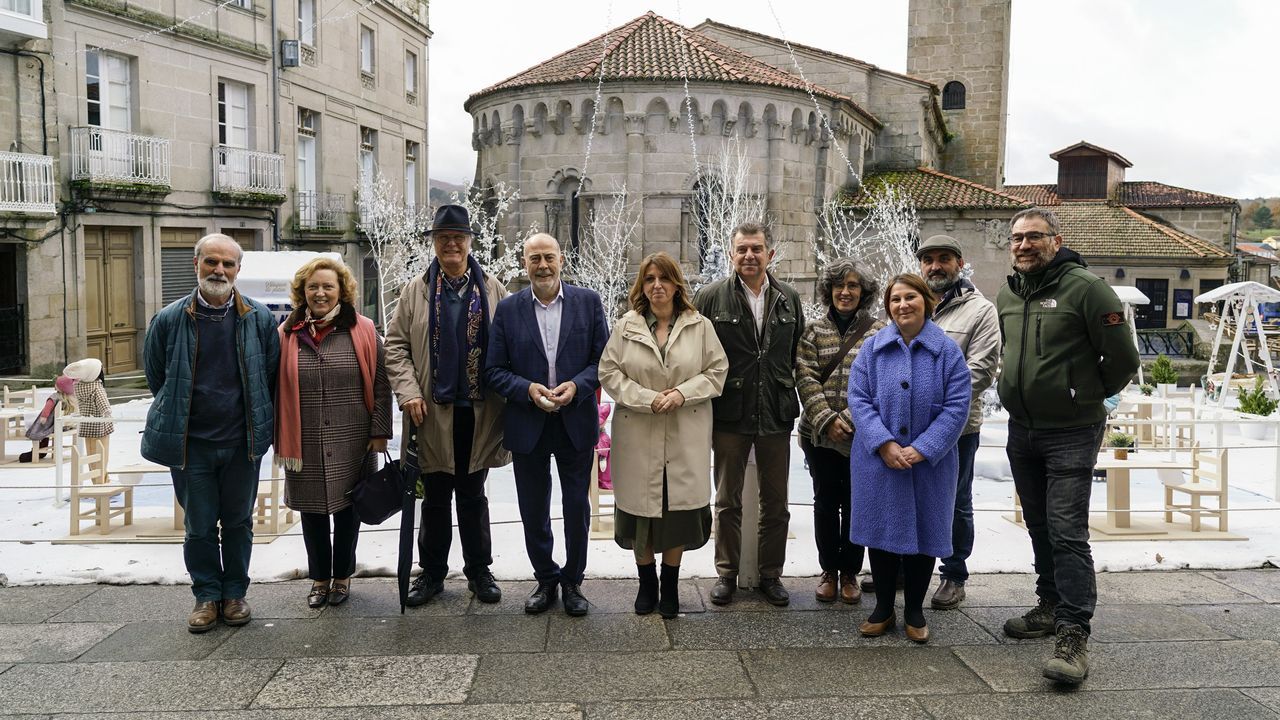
(108, 90)
(233, 114)
(368, 155)
(410, 72)
(308, 128)
(410, 174)
(246, 4)
(366, 50)
(307, 22)
(19, 7)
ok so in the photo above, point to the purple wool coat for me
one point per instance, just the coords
(917, 395)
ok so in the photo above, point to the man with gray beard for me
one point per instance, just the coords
(971, 321)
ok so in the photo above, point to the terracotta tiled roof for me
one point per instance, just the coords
(1260, 253)
(1141, 194)
(1099, 229)
(933, 190)
(654, 48)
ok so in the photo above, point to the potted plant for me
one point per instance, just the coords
(1146, 389)
(1163, 374)
(1255, 402)
(1120, 443)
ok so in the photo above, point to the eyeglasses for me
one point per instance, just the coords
(1031, 237)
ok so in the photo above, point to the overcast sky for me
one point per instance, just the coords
(1185, 89)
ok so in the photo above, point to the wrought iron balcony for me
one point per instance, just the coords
(321, 212)
(119, 160)
(248, 175)
(26, 183)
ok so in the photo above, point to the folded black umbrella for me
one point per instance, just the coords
(409, 472)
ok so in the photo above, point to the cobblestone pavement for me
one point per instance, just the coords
(1166, 645)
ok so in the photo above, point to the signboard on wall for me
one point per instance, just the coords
(1182, 304)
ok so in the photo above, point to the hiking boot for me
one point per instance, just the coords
(948, 596)
(826, 591)
(1036, 623)
(1070, 663)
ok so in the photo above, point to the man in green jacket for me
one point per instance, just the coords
(758, 320)
(1067, 348)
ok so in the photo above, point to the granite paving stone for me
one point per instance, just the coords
(860, 708)
(595, 677)
(131, 603)
(361, 682)
(1002, 590)
(606, 633)
(380, 597)
(1247, 622)
(1263, 583)
(136, 687)
(532, 711)
(4, 667)
(714, 631)
(44, 643)
(1269, 697)
(619, 596)
(37, 603)
(831, 671)
(1165, 588)
(1131, 705)
(800, 589)
(1134, 666)
(1115, 623)
(157, 640)
(386, 636)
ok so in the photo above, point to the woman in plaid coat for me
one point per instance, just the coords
(333, 414)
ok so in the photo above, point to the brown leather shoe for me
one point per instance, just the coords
(203, 617)
(236, 612)
(870, 629)
(918, 634)
(948, 596)
(849, 592)
(826, 591)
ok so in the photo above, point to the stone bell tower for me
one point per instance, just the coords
(962, 46)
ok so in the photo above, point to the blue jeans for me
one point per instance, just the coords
(1053, 472)
(953, 567)
(217, 488)
(533, 491)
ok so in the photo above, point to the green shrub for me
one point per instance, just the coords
(1147, 389)
(1162, 372)
(1117, 439)
(1255, 401)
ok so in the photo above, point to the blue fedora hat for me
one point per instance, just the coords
(453, 218)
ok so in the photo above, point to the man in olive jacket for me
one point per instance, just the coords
(758, 320)
(1067, 348)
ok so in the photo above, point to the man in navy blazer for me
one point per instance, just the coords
(544, 348)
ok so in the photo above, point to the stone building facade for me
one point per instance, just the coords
(162, 123)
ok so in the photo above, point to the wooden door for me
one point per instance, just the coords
(1154, 314)
(245, 238)
(111, 332)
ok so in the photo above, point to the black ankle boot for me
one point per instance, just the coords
(669, 605)
(647, 596)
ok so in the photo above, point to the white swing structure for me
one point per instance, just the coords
(1240, 305)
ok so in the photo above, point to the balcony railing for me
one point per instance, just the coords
(26, 183)
(237, 170)
(325, 212)
(100, 155)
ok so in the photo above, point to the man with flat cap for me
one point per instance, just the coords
(971, 321)
(436, 347)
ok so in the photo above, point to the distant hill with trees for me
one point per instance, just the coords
(439, 191)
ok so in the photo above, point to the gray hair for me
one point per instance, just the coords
(1044, 214)
(835, 271)
(753, 228)
(218, 237)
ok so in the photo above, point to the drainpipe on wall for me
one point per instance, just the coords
(275, 113)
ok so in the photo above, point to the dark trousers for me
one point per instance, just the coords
(533, 488)
(953, 567)
(1053, 472)
(328, 557)
(773, 467)
(831, 503)
(916, 572)
(217, 490)
(435, 532)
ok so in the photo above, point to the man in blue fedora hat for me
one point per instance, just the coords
(436, 346)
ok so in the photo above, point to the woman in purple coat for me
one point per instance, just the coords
(909, 397)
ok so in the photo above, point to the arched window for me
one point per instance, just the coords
(953, 95)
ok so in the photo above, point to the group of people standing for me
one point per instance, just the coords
(888, 411)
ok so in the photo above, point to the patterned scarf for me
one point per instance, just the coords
(317, 328)
(467, 342)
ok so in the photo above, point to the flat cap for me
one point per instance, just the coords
(939, 242)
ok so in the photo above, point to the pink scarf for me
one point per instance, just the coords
(288, 444)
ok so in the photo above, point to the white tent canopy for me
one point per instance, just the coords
(1259, 291)
(266, 276)
(1130, 296)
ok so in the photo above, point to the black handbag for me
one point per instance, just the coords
(377, 495)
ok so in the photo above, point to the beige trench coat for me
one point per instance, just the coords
(409, 368)
(633, 372)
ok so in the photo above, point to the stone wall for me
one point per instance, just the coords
(983, 237)
(1215, 224)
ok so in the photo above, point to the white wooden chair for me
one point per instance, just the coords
(270, 503)
(598, 524)
(88, 482)
(1208, 479)
(21, 401)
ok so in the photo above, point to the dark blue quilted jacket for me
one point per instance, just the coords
(169, 356)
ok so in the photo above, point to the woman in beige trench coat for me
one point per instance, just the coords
(662, 365)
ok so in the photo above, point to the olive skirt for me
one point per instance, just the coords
(688, 529)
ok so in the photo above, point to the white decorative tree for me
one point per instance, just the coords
(880, 236)
(395, 238)
(726, 197)
(496, 253)
(600, 260)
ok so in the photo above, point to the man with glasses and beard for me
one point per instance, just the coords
(1066, 349)
(970, 320)
(211, 361)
